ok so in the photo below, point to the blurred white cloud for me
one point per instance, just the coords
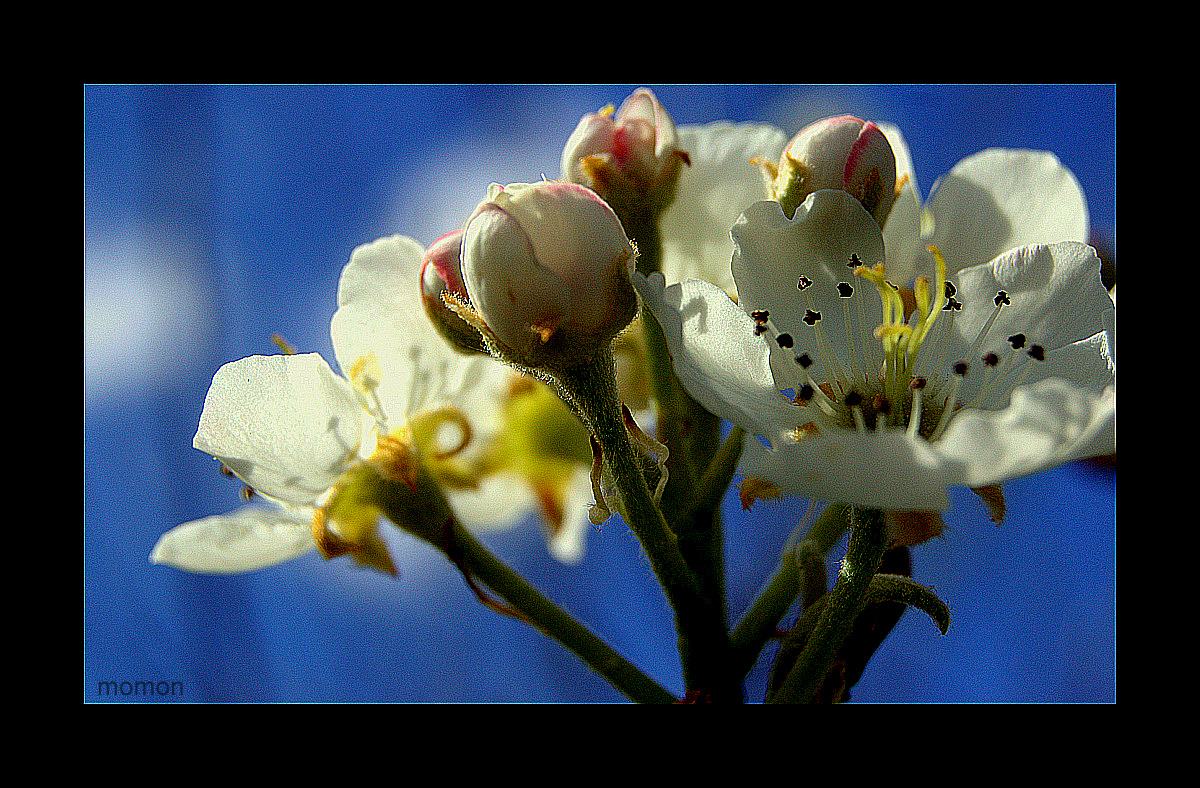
(145, 310)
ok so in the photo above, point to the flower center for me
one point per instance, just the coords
(896, 374)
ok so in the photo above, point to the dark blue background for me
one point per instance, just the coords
(216, 216)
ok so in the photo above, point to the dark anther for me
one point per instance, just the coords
(759, 330)
(950, 290)
(855, 261)
(881, 404)
(961, 368)
(1037, 352)
(917, 383)
(811, 317)
(1002, 298)
(805, 393)
(853, 398)
(991, 359)
(760, 315)
(1017, 341)
(951, 304)
(845, 290)
(804, 282)
(804, 360)
(784, 340)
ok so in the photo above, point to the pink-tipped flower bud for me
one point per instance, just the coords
(627, 159)
(441, 276)
(547, 268)
(843, 153)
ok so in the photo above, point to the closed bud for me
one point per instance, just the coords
(843, 153)
(630, 160)
(441, 277)
(547, 269)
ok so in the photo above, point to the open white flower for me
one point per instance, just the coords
(291, 429)
(882, 411)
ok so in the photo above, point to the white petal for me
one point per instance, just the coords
(1055, 292)
(286, 425)
(250, 538)
(1000, 199)
(885, 471)
(716, 355)
(386, 270)
(771, 253)
(720, 183)
(1047, 424)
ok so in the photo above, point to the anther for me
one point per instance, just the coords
(853, 399)
(1037, 353)
(760, 316)
(991, 359)
(950, 290)
(805, 393)
(951, 304)
(784, 340)
(760, 329)
(811, 317)
(804, 360)
(961, 368)
(855, 260)
(803, 283)
(1017, 341)
(845, 290)
(1002, 298)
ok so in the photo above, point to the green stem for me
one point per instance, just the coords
(801, 565)
(478, 562)
(703, 640)
(839, 608)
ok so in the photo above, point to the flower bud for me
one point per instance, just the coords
(627, 159)
(547, 268)
(441, 272)
(843, 153)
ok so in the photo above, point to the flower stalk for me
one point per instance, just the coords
(801, 566)
(475, 560)
(836, 611)
(590, 387)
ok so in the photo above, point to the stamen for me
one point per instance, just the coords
(914, 414)
(991, 376)
(854, 403)
(960, 372)
(1001, 300)
(845, 291)
(883, 409)
(805, 362)
(828, 357)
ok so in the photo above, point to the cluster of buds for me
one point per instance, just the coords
(842, 153)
